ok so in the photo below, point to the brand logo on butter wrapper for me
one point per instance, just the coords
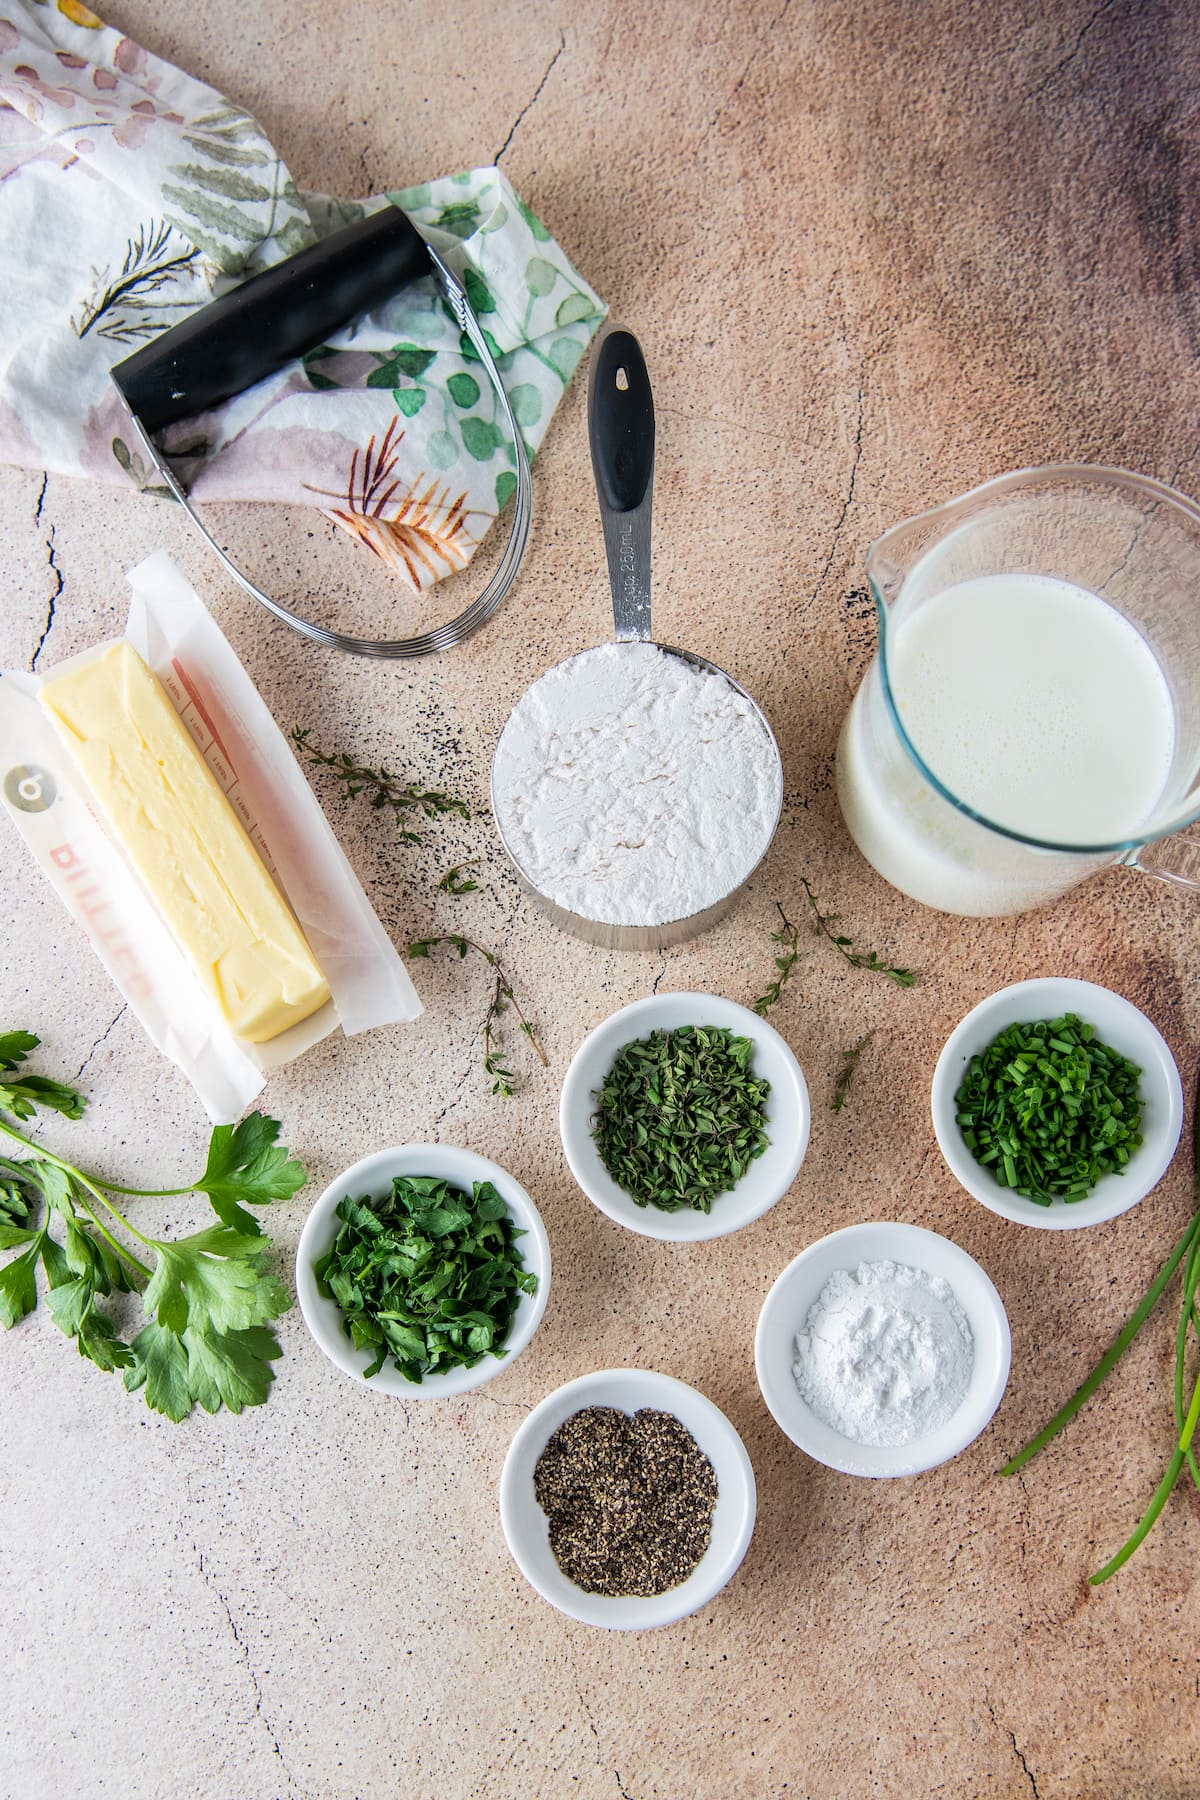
(29, 788)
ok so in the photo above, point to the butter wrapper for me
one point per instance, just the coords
(228, 720)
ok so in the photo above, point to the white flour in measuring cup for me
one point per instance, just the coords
(634, 788)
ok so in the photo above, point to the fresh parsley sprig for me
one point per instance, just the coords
(209, 1298)
(381, 787)
(502, 996)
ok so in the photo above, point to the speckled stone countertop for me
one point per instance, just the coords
(874, 254)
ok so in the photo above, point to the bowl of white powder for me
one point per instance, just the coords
(882, 1350)
(636, 789)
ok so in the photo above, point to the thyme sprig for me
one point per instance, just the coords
(789, 937)
(845, 1076)
(788, 940)
(823, 925)
(455, 881)
(502, 997)
(381, 787)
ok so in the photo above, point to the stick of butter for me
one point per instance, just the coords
(168, 813)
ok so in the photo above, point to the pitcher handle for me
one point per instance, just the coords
(1174, 859)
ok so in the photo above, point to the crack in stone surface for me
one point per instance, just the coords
(210, 1581)
(57, 573)
(456, 1096)
(1187, 457)
(1069, 58)
(562, 44)
(586, 1710)
(756, 55)
(846, 504)
(117, 1016)
(1012, 1738)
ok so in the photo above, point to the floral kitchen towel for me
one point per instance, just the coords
(130, 195)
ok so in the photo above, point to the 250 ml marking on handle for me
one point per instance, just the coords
(627, 562)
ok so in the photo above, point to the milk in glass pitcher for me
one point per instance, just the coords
(1033, 711)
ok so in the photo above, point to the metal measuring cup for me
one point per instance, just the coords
(621, 437)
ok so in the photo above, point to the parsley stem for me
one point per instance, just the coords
(1161, 1495)
(109, 1207)
(108, 1237)
(114, 1187)
(84, 1181)
(1111, 1356)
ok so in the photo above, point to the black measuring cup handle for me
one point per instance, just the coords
(621, 420)
(621, 436)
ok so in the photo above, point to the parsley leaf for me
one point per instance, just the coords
(211, 1369)
(15, 1047)
(245, 1164)
(232, 1368)
(23, 1096)
(18, 1289)
(215, 1280)
(99, 1343)
(160, 1365)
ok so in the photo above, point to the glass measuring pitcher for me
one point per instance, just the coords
(1032, 713)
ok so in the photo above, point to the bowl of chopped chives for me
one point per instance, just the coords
(684, 1116)
(1056, 1103)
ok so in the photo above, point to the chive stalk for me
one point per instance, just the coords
(1185, 1417)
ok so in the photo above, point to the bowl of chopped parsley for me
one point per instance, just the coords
(684, 1116)
(1056, 1103)
(423, 1270)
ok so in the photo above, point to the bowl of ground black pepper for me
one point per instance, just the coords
(684, 1116)
(627, 1499)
